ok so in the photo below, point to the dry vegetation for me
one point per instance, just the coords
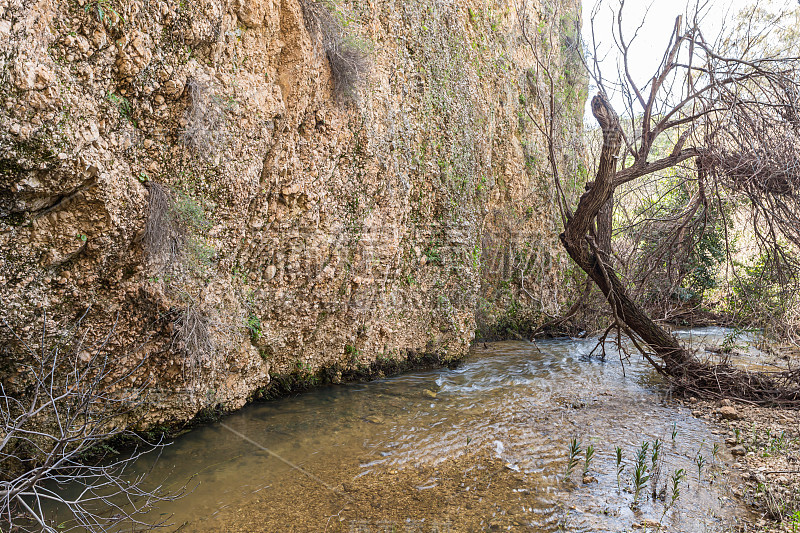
(206, 130)
(727, 107)
(348, 55)
(74, 399)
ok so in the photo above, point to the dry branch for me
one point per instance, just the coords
(735, 115)
(77, 397)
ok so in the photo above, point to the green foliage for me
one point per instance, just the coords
(700, 461)
(675, 489)
(572, 457)
(640, 473)
(681, 239)
(253, 325)
(101, 9)
(760, 292)
(354, 353)
(656, 453)
(704, 259)
(794, 521)
(432, 256)
(123, 105)
(190, 218)
(189, 213)
(588, 459)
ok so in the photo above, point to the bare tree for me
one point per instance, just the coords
(69, 399)
(725, 113)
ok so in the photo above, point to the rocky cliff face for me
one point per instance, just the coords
(246, 191)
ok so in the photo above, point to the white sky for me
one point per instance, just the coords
(654, 34)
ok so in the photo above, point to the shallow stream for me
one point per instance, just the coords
(408, 453)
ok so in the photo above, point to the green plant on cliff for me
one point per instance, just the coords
(253, 325)
(102, 9)
(192, 224)
(174, 240)
(123, 105)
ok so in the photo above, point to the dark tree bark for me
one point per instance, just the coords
(586, 252)
(730, 105)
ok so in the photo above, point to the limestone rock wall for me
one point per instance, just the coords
(191, 174)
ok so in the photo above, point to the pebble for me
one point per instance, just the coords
(729, 413)
(648, 523)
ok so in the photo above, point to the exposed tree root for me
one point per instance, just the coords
(723, 380)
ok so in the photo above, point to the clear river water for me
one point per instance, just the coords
(480, 447)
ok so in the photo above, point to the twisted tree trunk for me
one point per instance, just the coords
(591, 255)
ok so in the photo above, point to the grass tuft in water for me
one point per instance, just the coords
(572, 457)
(640, 479)
(700, 461)
(620, 464)
(675, 490)
(640, 475)
(588, 459)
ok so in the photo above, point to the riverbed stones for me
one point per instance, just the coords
(728, 412)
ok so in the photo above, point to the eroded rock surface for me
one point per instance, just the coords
(294, 231)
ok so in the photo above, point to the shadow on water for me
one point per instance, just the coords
(520, 403)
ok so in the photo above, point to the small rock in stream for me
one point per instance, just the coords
(429, 393)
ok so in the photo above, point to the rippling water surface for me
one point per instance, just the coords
(524, 402)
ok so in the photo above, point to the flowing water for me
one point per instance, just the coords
(383, 456)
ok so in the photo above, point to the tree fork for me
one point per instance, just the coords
(576, 241)
(687, 372)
